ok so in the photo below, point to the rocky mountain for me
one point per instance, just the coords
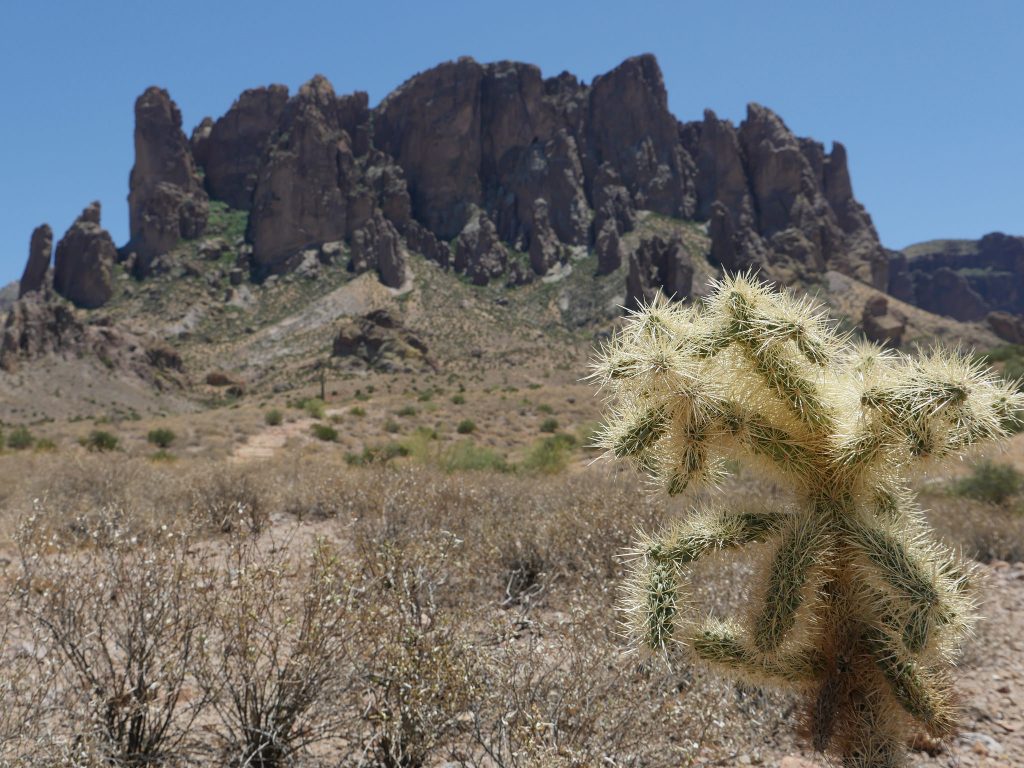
(966, 279)
(500, 175)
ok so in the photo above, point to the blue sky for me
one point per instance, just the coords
(926, 95)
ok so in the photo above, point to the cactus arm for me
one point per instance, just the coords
(709, 531)
(723, 644)
(922, 692)
(908, 574)
(802, 546)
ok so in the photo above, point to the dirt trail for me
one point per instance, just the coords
(263, 445)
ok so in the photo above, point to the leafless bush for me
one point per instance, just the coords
(229, 499)
(277, 662)
(984, 531)
(421, 671)
(561, 696)
(122, 621)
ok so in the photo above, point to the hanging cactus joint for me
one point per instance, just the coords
(858, 609)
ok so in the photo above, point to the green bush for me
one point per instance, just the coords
(100, 440)
(545, 408)
(466, 426)
(458, 400)
(357, 411)
(407, 410)
(467, 456)
(392, 426)
(549, 425)
(20, 439)
(380, 454)
(161, 437)
(273, 417)
(325, 432)
(45, 445)
(550, 455)
(990, 482)
(315, 407)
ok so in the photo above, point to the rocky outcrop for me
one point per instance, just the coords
(479, 253)
(379, 339)
(499, 138)
(84, 261)
(882, 324)
(780, 204)
(301, 195)
(231, 151)
(658, 263)
(38, 325)
(630, 127)
(1007, 327)
(422, 241)
(963, 279)
(166, 201)
(608, 249)
(376, 246)
(40, 250)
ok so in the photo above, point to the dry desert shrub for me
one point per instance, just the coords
(124, 630)
(278, 662)
(422, 672)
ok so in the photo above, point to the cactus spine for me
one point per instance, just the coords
(859, 610)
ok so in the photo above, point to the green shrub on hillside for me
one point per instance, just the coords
(990, 482)
(20, 439)
(161, 437)
(273, 417)
(550, 455)
(325, 432)
(100, 440)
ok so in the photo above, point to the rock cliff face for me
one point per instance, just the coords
(964, 279)
(84, 261)
(231, 149)
(166, 201)
(779, 203)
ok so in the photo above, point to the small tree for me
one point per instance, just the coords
(857, 609)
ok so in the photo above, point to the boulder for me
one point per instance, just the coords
(380, 340)
(377, 246)
(40, 250)
(233, 150)
(881, 324)
(84, 261)
(658, 263)
(422, 241)
(166, 201)
(545, 248)
(479, 253)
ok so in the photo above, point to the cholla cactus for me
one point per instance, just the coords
(857, 608)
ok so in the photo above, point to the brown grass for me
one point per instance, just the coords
(465, 617)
